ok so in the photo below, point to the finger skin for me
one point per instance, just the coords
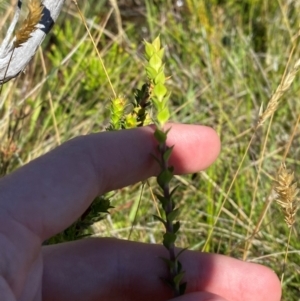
(50, 193)
(110, 269)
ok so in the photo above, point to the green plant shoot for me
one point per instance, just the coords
(159, 98)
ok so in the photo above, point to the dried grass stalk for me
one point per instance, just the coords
(34, 16)
(281, 89)
(287, 192)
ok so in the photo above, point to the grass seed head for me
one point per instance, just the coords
(287, 192)
(281, 89)
(34, 16)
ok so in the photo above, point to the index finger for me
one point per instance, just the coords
(48, 194)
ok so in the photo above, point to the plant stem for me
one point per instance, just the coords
(168, 208)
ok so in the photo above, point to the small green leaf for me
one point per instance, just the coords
(162, 200)
(164, 178)
(168, 130)
(179, 253)
(149, 50)
(177, 279)
(156, 43)
(155, 62)
(157, 103)
(101, 204)
(169, 239)
(156, 159)
(165, 100)
(174, 190)
(173, 215)
(161, 53)
(176, 227)
(168, 153)
(159, 219)
(160, 136)
(163, 116)
(151, 72)
(160, 78)
(160, 91)
(170, 264)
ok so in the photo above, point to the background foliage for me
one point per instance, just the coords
(225, 59)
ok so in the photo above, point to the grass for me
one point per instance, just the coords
(228, 57)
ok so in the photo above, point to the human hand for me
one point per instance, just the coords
(44, 197)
